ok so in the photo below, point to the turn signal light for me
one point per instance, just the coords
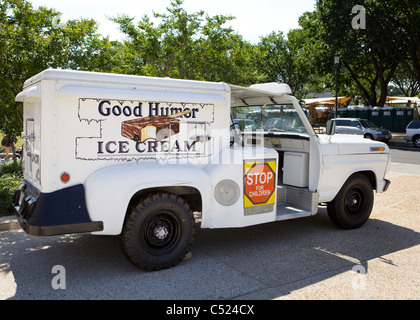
(65, 177)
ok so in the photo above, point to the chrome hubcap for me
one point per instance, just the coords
(161, 232)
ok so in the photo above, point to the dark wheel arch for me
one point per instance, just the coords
(368, 136)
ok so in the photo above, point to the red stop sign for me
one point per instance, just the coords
(259, 183)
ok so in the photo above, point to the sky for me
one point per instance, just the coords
(254, 18)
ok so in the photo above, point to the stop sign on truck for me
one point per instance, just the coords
(259, 183)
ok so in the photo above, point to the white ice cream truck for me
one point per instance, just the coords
(152, 158)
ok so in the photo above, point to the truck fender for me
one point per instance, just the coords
(328, 193)
(109, 190)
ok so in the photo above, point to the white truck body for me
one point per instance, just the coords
(95, 143)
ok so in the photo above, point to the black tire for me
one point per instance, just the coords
(368, 136)
(416, 141)
(158, 232)
(353, 204)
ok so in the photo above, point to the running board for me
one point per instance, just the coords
(295, 202)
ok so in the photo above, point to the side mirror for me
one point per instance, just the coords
(330, 127)
(235, 136)
(236, 126)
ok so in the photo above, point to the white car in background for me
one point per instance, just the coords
(359, 127)
(412, 133)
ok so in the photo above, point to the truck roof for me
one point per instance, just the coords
(112, 78)
(268, 93)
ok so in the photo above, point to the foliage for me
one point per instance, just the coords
(370, 56)
(401, 31)
(367, 61)
(186, 46)
(292, 59)
(34, 40)
(11, 177)
(407, 84)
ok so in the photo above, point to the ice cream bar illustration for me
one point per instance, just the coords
(153, 127)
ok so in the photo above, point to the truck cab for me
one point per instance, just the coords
(152, 159)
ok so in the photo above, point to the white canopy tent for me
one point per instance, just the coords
(325, 101)
(413, 101)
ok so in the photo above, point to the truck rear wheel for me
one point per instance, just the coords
(353, 204)
(158, 232)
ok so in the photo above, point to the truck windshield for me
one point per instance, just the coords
(269, 118)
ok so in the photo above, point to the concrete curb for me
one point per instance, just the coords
(402, 146)
(398, 141)
(9, 223)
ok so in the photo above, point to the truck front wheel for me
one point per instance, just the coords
(353, 204)
(158, 231)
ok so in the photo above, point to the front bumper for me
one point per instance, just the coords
(387, 183)
(382, 137)
(60, 212)
(408, 138)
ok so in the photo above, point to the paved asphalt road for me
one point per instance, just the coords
(405, 156)
(307, 258)
(405, 161)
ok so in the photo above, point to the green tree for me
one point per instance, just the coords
(187, 46)
(278, 62)
(76, 45)
(400, 23)
(22, 54)
(292, 59)
(309, 52)
(406, 83)
(33, 40)
(364, 53)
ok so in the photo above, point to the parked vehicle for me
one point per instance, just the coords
(360, 127)
(412, 133)
(145, 158)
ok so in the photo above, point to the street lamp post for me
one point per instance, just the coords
(337, 63)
